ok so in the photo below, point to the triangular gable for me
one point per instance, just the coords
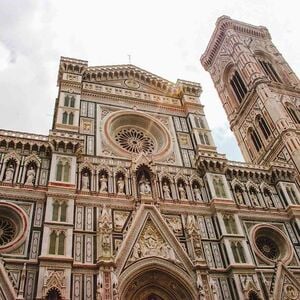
(149, 236)
(130, 77)
(286, 286)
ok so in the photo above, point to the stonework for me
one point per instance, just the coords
(128, 198)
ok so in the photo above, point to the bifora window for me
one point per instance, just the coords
(135, 140)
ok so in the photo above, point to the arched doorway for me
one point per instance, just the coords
(53, 294)
(156, 285)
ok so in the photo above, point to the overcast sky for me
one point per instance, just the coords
(164, 37)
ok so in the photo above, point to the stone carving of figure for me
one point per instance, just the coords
(166, 191)
(253, 197)
(268, 199)
(85, 181)
(103, 184)
(181, 190)
(137, 252)
(197, 193)
(239, 196)
(144, 185)
(9, 173)
(219, 187)
(120, 185)
(30, 176)
(170, 254)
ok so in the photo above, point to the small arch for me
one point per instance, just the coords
(263, 126)
(53, 294)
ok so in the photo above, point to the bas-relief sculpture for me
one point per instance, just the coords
(144, 135)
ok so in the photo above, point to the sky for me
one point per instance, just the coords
(163, 37)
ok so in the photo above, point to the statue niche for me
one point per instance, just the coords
(103, 182)
(30, 174)
(85, 180)
(9, 171)
(144, 182)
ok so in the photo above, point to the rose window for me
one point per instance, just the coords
(135, 140)
(268, 247)
(7, 231)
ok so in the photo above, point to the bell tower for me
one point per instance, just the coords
(259, 91)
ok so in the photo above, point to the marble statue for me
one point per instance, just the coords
(181, 190)
(166, 191)
(85, 181)
(9, 173)
(120, 185)
(103, 184)
(144, 185)
(30, 176)
(197, 193)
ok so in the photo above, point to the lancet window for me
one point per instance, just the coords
(238, 86)
(59, 211)
(63, 171)
(269, 70)
(238, 252)
(57, 243)
(262, 124)
(293, 112)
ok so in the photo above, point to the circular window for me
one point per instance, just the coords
(7, 231)
(132, 132)
(135, 140)
(270, 243)
(268, 247)
(13, 226)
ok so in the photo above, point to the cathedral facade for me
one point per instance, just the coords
(128, 198)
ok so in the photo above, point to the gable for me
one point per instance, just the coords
(150, 236)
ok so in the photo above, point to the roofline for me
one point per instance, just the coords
(223, 24)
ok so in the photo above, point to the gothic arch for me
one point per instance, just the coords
(154, 274)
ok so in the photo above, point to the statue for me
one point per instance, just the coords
(85, 181)
(197, 193)
(166, 191)
(144, 185)
(253, 198)
(9, 173)
(30, 176)
(120, 185)
(181, 190)
(219, 187)
(239, 196)
(103, 184)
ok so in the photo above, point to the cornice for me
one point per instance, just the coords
(223, 24)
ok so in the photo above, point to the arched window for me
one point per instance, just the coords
(238, 86)
(252, 295)
(204, 138)
(72, 102)
(255, 139)
(293, 112)
(71, 118)
(67, 101)
(241, 254)
(63, 171)
(230, 224)
(66, 172)
(63, 212)
(61, 244)
(52, 246)
(263, 126)
(65, 118)
(59, 169)
(292, 194)
(269, 70)
(55, 209)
